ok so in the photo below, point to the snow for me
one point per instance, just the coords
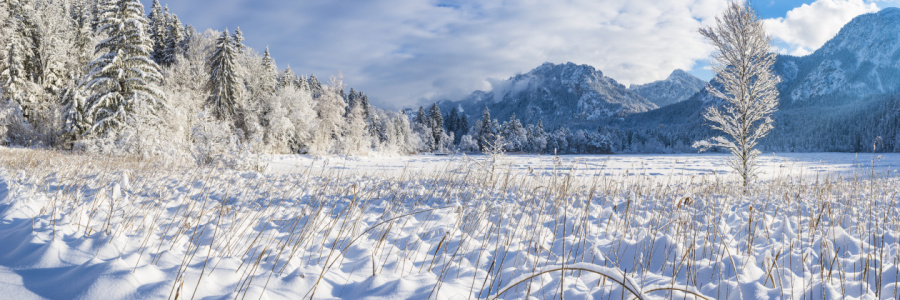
(449, 227)
(658, 166)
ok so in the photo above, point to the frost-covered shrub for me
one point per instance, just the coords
(215, 142)
(468, 144)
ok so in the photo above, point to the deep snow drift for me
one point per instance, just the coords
(446, 227)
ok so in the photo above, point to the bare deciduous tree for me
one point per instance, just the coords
(743, 63)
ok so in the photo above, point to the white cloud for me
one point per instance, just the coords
(808, 27)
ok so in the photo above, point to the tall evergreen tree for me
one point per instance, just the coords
(287, 78)
(15, 84)
(462, 126)
(157, 31)
(315, 87)
(351, 100)
(422, 117)
(450, 120)
(124, 76)
(27, 36)
(270, 80)
(224, 84)
(81, 17)
(364, 103)
(514, 134)
(238, 40)
(436, 121)
(487, 134)
(174, 44)
(356, 137)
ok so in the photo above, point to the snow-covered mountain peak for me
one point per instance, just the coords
(862, 59)
(679, 86)
(558, 93)
(872, 37)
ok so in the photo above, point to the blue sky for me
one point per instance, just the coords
(409, 52)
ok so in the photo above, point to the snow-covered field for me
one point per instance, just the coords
(449, 227)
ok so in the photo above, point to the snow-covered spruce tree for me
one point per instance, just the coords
(16, 86)
(422, 128)
(537, 138)
(375, 127)
(270, 73)
(238, 40)
(315, 86)
(450, 120)
(488, 135)
(23, 69)
(436, 123)
(124, 76)
(157, 31)
(15, 91)
(224, 85)
(84, 35)
(27, 34)
(174, 43)
(514, 134)
(743, 63)
(288, 78)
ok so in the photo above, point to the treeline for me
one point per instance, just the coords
(452, 132)
(104, 76)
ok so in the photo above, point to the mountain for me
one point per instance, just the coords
(862, 60)
(557, 94)
(842, 97)
(679, 86)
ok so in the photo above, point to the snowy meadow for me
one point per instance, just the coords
(449, 227)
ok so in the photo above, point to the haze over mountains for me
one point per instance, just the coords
(839, 98)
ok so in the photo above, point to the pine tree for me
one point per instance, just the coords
(537, 138)
(372, 119)
(174, 44)
(422, 117)
(96, 9)
(224, 84)
(270, 75)
(156, 30)
(81, 16)
(487, 134)
(364, 103)
(124, 76)
(451, 120)
(436, 121)
(462, 126)
(315, 87)
(28, 38)
(16, 86)
(514, 134)
(287, 78)
(351, 100)
(356, 136)
(238, 40)
(303, 83)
